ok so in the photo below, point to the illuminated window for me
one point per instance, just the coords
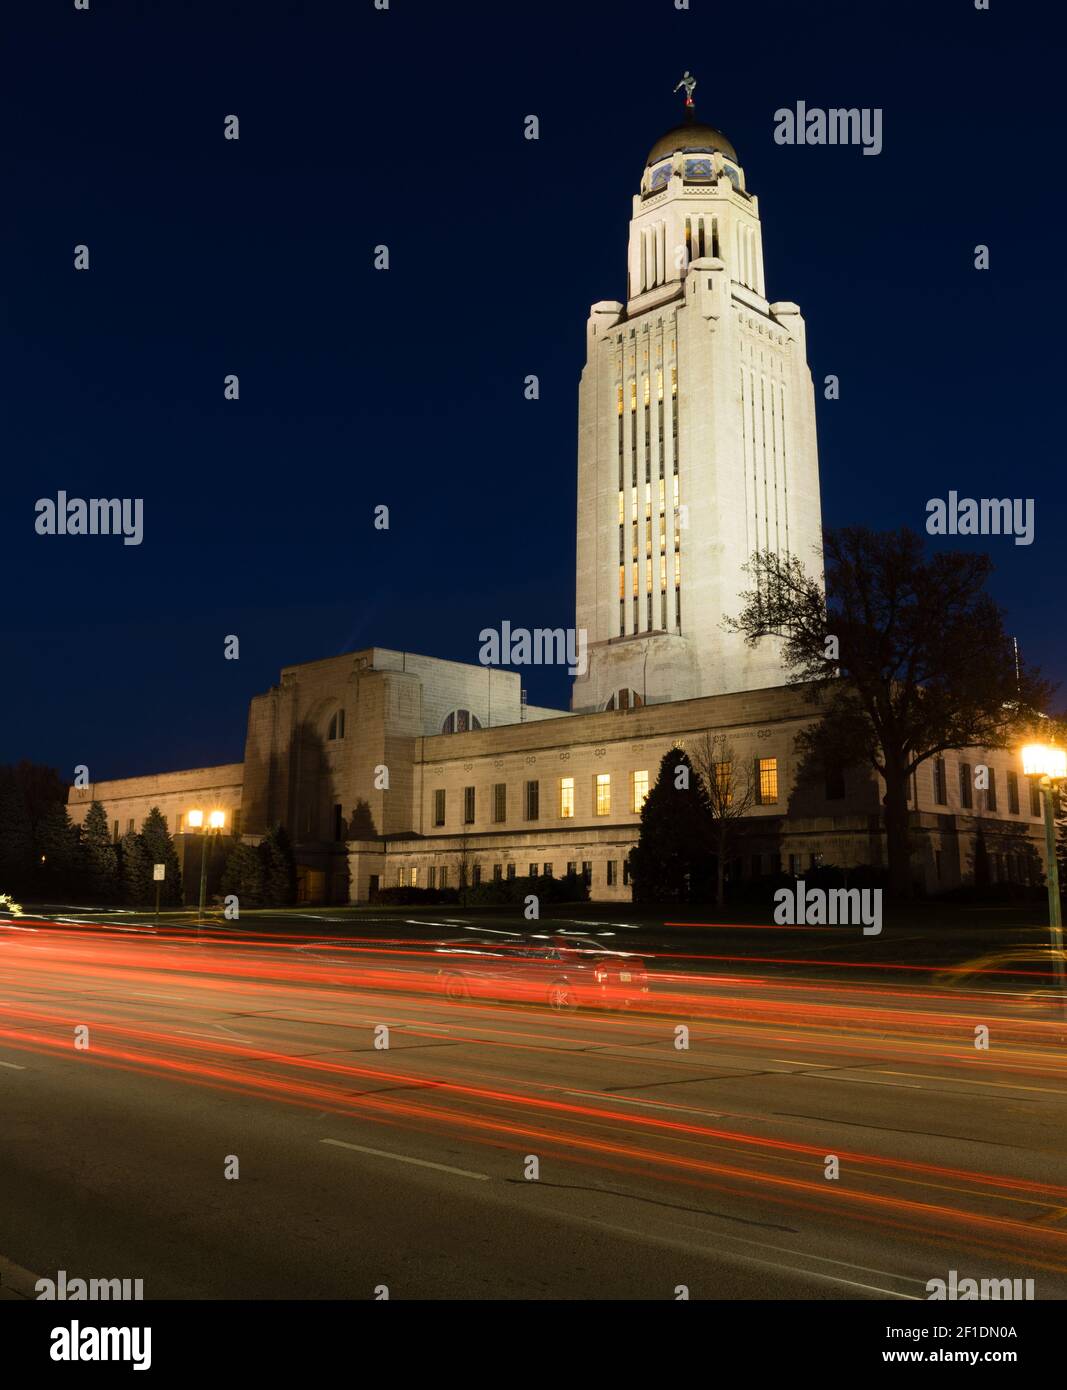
(674, 381)
(640, 789)
(566, 797)
(602, 785)
(724, 783)
(633, 395)
(767, 780)
(414, 878)
(647, 385)
(659, 383)
(401, 878)
(622, 509)
(622, 581)
(620, 398)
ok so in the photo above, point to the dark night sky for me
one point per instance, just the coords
(360, 387)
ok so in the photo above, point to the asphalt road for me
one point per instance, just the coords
(410, 1167)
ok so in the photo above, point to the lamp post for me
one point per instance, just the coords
(1048, 764)
(216, 820)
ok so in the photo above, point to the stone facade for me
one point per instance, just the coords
(387, 797)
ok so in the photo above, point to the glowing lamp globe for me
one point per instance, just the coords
(1045, 760)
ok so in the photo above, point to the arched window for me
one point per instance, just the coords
(624, 699)
(337, 725)
(460, 721)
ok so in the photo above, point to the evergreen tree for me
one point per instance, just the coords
(160, 850)
(279, 869)
(243, 875)
(101, 858)
(59, 851)
(137, 885)
(16, 834)
(672, 862)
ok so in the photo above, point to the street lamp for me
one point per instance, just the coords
(1048, 764)
(216, 820)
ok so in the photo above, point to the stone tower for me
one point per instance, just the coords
(696, 439)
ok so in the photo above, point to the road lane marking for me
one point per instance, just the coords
(14, 1066)
(403, 1158)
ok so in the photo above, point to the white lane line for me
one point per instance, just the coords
(651, 1104)
(403, 1158)
(142, 994)
(12, 1065)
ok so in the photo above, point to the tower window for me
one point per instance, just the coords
(337, 725)
(460, 721)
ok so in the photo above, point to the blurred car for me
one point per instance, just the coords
(564, 972)
(1024, 977)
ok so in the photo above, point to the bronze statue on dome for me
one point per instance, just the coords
(689, 82)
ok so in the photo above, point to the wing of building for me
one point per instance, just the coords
(696, 447)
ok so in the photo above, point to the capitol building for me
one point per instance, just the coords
(696, 447)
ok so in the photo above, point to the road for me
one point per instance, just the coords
(499, 1150)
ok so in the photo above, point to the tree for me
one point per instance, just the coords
(137, 886)
(160, 849)
(16, 833)
(731, 794)
(279, 870)
(244, 874)
(101, 859)
(671, 861)
(905, 654)
(59, 850)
